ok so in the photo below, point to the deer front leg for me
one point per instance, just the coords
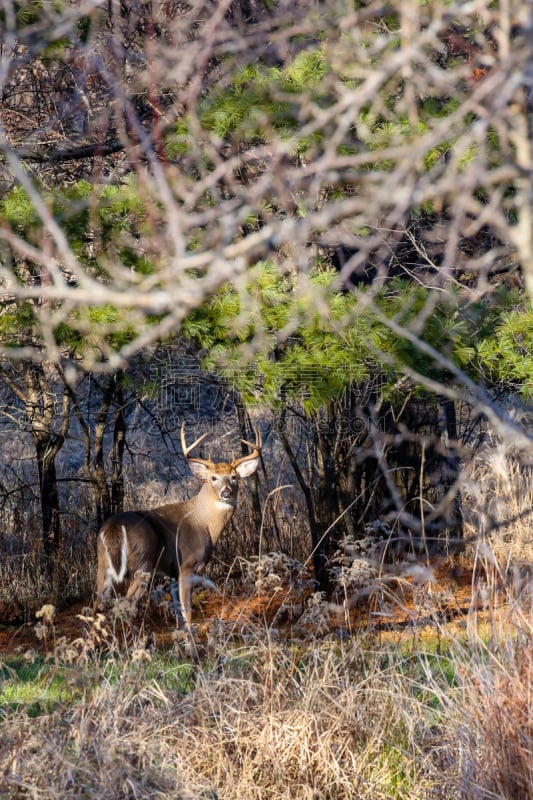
(203, 582)
(186, 582)
(194, 581)
(175, 594)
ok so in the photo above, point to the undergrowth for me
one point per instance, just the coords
(312, 711)
(253, 716)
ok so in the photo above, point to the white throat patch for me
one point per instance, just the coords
(223, 505)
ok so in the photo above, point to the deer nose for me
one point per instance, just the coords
(226, 493)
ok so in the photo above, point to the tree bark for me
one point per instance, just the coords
(316, 527)
(40, 400)
(119, 443)
(451, 463)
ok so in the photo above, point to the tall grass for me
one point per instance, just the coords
(255, 716)
(262, 719)
(315, 713)
(491, 726)
(491, 721)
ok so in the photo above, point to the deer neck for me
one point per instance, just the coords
(212, 513)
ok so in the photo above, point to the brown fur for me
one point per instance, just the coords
(173, 540)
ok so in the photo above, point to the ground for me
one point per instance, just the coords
(396, 608)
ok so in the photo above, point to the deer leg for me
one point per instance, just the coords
(194, 581)
(104, 584)
(138, 586)
(107, 574)
(181, 598)
(185, 591)
(203, 582)
(105, 579)
(175, 594)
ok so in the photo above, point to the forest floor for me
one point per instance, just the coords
(443, 606)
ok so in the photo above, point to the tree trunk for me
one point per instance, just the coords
(108, 499)
(451, 463)
(49, 496)
(316, 527)
(40, 410)
(119, 443)
(253, 482)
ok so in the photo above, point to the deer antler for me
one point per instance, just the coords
(187, 449)
(256, 449)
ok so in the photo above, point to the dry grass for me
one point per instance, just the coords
(261, 720)
(256, 717)
(28, 580)
(247, 713)
(492, 719)
(498, 495)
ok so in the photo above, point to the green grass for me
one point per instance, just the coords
(37, 685)
(30, 685)
(327, 717)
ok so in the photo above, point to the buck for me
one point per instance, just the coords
(173, 540)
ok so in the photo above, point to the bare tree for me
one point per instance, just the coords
(35, 386)
(94, 424)
(168, 149)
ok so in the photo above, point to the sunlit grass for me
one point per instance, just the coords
(249, 709)
(35, 684)
(30, 685)
(255, 716)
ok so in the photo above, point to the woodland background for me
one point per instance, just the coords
(217, 210)
(314, 218)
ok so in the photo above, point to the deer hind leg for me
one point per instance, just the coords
(104, 584)
(110, 571)
(138, 586)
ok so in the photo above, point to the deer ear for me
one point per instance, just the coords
(199, 469)
(246, 468)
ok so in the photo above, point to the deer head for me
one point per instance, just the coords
(222, 480)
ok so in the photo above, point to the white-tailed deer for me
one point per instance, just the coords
(173, 540)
